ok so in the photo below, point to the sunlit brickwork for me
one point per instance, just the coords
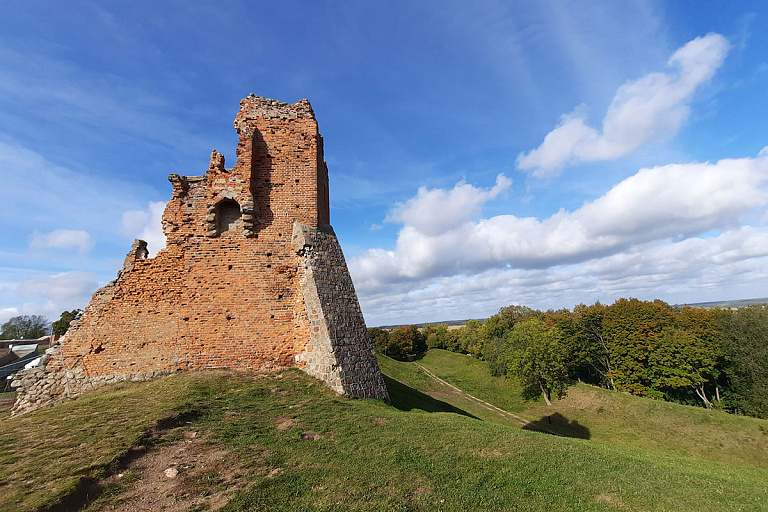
(252, 276)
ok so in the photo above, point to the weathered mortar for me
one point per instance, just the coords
(252, 277)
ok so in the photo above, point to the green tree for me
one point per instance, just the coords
(379, 338)
(452, 339)
(745, 338)
(683, 361)
(430, 336)
(61, 325)
(496, 356)
(25, 327)
(535, 357)
(632, 329)
(401, 342)
(437, 335)
(471, 337)
(510, 315)
(590, 357)
(419, 340)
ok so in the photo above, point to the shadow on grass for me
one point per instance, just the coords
(407, 398)
(557, 424)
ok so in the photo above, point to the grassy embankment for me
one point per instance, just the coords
(609, 417)
(299, 447)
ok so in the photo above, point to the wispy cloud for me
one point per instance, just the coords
(649, 109)
(62, 239)
(64, 287)
(48, 295)
(37, 192)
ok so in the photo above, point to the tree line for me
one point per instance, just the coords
(36, 326)
(715, 358)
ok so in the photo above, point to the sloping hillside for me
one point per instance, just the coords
(206, 440)
(599, 414)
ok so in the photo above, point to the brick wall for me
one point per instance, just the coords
(232, 289)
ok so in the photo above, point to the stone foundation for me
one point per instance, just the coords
(47, 385)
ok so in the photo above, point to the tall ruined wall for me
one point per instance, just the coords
(230, 288)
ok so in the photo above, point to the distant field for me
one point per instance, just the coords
(285, 442)
(738, 303)
(731, 303)
(452, 324)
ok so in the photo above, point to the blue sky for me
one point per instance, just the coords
(481, 153)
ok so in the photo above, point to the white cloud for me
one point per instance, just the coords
(651, 108)
(62, 239)
(146, 225)
(8, 313)
(435, 211)
(693, 270)
(66, 287)
(48, 295)
(677, 200)
(668, 224)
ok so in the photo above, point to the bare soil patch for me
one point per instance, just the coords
(186, 474)
(310, 435)
(285, 422)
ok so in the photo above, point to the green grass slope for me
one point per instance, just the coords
(303, 448)
(602, 415)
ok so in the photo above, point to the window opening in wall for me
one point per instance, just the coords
(227, 216)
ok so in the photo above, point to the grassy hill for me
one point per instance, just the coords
(452, 441)
(604, 416)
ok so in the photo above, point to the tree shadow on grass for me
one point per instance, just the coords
(407, 398)
(557, 424)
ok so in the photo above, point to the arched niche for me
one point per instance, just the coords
(228, 216)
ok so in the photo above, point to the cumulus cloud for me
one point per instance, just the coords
(695, 269)
(435, 211)
(651, 108)
(146, 225)
(62, 239)
(665, 216)
(676, 200)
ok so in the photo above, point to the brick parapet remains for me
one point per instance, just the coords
(231, 289)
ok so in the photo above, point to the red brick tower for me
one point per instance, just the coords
(252, 276)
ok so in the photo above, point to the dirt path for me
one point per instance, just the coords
(501, 412)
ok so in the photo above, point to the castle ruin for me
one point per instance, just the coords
(252, 278)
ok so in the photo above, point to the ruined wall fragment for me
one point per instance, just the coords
(230, 290)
